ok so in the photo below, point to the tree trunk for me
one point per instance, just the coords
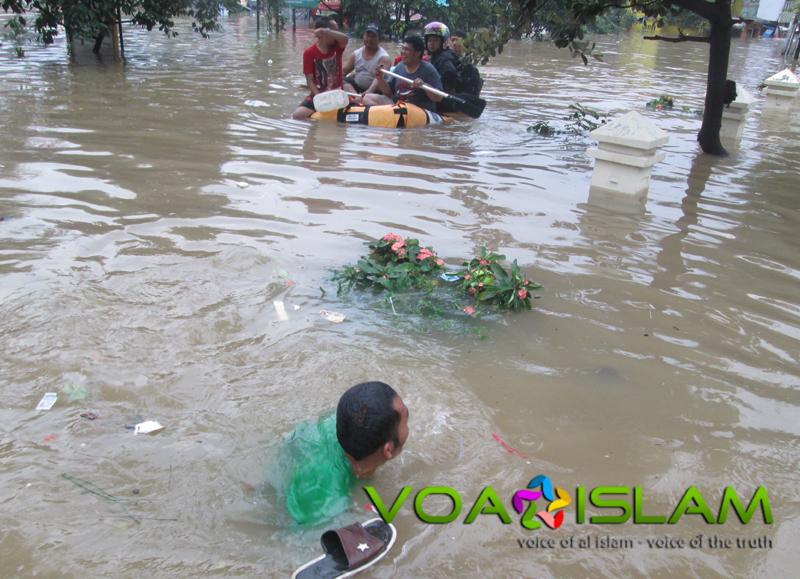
(719, 51)
(98, 42)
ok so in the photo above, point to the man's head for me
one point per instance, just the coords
(413, 49)
(372, 422)
(436, 34)
(455, 42)
(325, 23)
(371, 36)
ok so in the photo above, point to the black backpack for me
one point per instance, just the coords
(469, 79)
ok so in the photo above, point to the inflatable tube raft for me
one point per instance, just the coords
(399, 115)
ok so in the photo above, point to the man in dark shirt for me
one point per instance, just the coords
(444, 60)
(415, 69)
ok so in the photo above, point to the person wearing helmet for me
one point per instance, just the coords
(442, 58)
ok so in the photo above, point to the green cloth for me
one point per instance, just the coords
(321, 477)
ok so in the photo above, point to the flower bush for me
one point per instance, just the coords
(398, 264)
(486, 281)
(663, 102)
(394, 264)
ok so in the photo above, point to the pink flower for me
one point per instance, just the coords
(398, 245)
(440, 262)
(424, 254)
(526, 282)
(472, 291)
(480, 284)
(401, 253)
(483, 262)
(392, 237)
(522, 294)
(467, 276)
(469, 310)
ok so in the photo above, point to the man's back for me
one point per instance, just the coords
(446, 63)
(321, 476)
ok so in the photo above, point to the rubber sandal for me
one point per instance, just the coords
(350, 550)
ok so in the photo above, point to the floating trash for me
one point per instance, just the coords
(335, 317)
(47, 401)
(449, 277)
(508, 448)
(75, 392)
(280, 309)
(147, 427)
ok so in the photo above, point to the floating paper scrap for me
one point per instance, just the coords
(280, 309)
(47, 401)
(147, 427)
(334, 317)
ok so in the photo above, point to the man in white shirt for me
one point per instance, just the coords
(359, 68)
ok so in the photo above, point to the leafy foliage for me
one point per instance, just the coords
(582, 120)
(663, 102)
(393, 264)
(485, 280)
(415, 278)
(90, 19)
(614, 20)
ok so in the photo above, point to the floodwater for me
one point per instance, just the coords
(151, 214)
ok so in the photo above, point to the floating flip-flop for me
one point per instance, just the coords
(350, 550)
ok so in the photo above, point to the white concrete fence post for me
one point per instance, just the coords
(626, 152)
(781, 90)
(735, 115)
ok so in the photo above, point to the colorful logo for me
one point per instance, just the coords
(530, 495)
(617, 505)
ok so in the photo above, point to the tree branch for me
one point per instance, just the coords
(680, 38)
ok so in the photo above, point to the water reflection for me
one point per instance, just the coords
(670, 257)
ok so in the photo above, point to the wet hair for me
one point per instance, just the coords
(366, 419)
(322, 22)
(416, 42)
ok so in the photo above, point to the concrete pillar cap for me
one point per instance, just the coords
(785, 78)
(631, 130)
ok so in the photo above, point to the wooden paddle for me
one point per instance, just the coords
(467, 103)
(332, 100)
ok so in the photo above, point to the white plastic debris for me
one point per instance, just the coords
(280, 309)
(335, 317)
(47, 401)
(147, 427)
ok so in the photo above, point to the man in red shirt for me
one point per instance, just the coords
(322, 64)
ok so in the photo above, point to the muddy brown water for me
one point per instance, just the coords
(151, 215)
